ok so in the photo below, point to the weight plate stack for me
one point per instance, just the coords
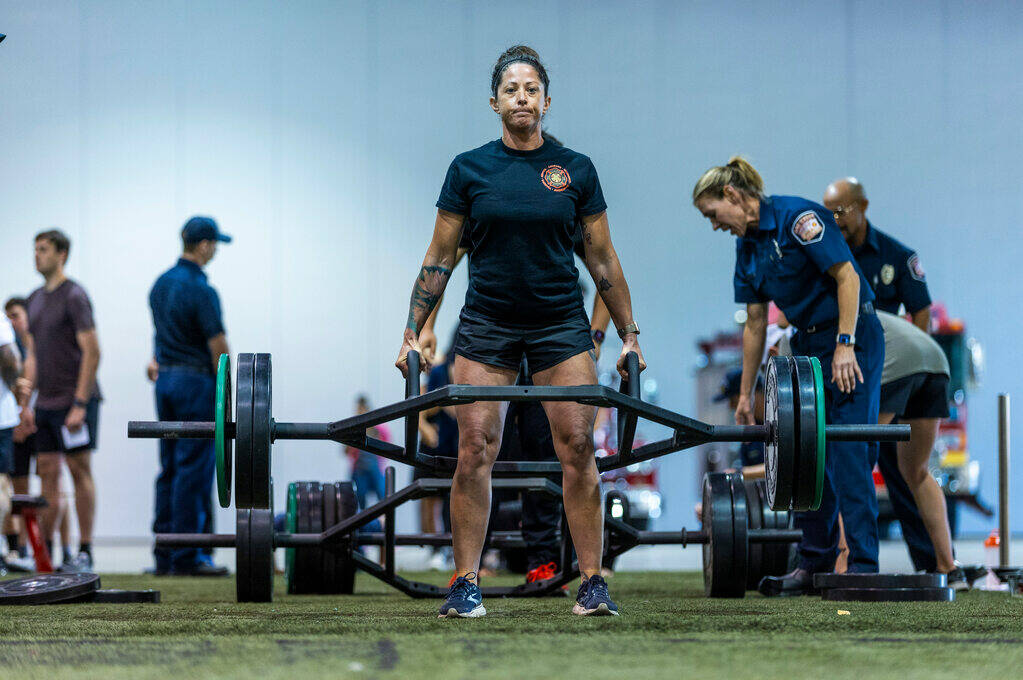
(262, 431)
(777, 557)
(346, 504)
(291, 527)
(244, 406)
(48, 588)
(755, 511)
(805, 484)
(822, 444)
(884, 587)
(724, 553)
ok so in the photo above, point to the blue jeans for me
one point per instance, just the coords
(367, 477)
(185, 482)
(849, 480)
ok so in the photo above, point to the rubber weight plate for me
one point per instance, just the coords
(805, 468)
(889, 595)
(47, 588)
(722, 577)
(755, 511)
(740, 533)
(315, 527)
(122, 596)
(242, 553)
(776, 556)
(254, 554)
(822, 444)
(262, 431)
(243, 485)
(329, 514)
(780, 449)
(874, 581)
(347, 504)
(223, 444)
(301, 581)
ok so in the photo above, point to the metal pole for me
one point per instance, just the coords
(389, 485)
(1003, 479)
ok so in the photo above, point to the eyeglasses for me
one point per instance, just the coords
(842, 210)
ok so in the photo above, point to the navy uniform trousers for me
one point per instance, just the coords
(849, 481)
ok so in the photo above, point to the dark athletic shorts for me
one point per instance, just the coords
(23, 452)
(921, 395)
(490, 342)
(6, 450)
(49, 422)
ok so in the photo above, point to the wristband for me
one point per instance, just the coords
(630, 328)
(80, 403)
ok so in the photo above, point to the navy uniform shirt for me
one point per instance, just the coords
(521, 210)
(893, 271)
(186, 314)
(787, 258)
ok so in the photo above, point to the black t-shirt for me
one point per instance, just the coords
(522, 210)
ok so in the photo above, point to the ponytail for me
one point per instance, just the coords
(737, 173)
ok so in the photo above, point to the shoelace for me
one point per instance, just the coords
(462, 585)
(593, 585)
(542, 573)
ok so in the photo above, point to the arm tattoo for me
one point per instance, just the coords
(426, 293)
(9, 367)
(587, 235)
(604, 284)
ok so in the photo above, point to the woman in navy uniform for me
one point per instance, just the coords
(788, 250)
(519, 200)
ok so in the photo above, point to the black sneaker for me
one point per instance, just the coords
(592, 599)
(465, 601)
(956, 580)
(796, 582)
(200, 569)
(80, 563)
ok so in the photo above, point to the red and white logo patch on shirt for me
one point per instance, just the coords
(916, 269)
(808, 228)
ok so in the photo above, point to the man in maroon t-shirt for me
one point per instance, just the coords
(62, 358)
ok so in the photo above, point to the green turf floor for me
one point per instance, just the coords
(667, 629)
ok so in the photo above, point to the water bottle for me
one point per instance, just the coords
(991, 558)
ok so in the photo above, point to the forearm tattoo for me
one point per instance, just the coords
(604, 284)
(426, 293)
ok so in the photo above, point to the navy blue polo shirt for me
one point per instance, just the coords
(893, 271)
(447, 427)
(787, 259)
(521, 212)
(186, 314)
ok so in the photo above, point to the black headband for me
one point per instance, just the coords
(524, 58)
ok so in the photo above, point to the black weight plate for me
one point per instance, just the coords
(243, 439)
(805, 460)
(1003, 573)
(776, 556)
(316, 526)
(720, 577)
(347, 506)
(329, 519)
(242, 554)
(47, 588)
(302, 583)
(261, 542)
(875, 581)
(889, 595)
(122, 596)
(754, 509)
(779, 416)
(740, 534)
(262, 425)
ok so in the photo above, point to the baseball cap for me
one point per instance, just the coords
(201, 228)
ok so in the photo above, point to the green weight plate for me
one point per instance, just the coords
(243, 430)
(805, 467)
(290, 526)
(721, 576)
(262, 431)
(780, 417)
(822, 448)
(221, 442)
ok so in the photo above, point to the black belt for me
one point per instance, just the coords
(865, 308)
(186, 368)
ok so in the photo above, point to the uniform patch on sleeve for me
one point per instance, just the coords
(916, 270)
(808, 228)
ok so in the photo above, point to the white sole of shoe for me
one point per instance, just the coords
(474, 614)
(601, 610)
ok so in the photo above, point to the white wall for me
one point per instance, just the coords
(318, 134)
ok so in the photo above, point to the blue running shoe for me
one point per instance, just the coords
(465, 601)
(593, 600)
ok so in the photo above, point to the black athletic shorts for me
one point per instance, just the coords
(49, 422)
(921, 395)
(23, 452)
(490, 342)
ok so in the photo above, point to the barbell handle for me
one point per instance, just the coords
(413, 388)
(627, 425)
(174, 429)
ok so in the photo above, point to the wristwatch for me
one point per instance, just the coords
(80, 403)
(598, 336)
(846, 339)
(630, 328)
